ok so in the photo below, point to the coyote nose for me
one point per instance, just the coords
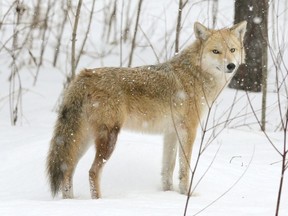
(231, 67)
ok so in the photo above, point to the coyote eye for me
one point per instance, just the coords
(215, 51)
(232, 50)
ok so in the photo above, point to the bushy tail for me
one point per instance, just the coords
(62, 156)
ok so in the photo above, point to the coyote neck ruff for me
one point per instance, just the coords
(167, 98)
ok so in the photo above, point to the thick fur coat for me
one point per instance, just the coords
(168, 98)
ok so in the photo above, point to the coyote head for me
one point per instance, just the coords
(222, 50)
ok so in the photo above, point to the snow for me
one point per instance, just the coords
(131, 178)
(238, 173)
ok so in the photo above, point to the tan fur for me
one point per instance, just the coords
(168, 98)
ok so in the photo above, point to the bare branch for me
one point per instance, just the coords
(150, 44)
(135, 33)
(231, 187)
(208, 168)
(266, 135)
(87, 33)
(14, 73)
(74, 34)
(59, 37)
(44, 39)
(178, 27)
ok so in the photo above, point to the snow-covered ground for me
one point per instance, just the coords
(238, 173)
(243, 167)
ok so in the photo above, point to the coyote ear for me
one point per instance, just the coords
(201, 32)
(239, 29)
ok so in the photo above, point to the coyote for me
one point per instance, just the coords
(168, 98)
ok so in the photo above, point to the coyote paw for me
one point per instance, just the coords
(67, 195)
(183, 188)
(95, 194)
(67, 192)
(167, 185)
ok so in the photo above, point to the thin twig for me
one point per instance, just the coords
(112, 19)
(87, 33)
(231, 187)
(264, 132)
(197, 161)
(127, 23)
(14, 72)
(121, 35)
(208, 168)
(135, 33)
(178, 27)
(59, 37)
(150, 44)
(74, 34)
(44, 40)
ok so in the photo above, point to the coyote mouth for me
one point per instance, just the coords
(226, 71)
(229, 71)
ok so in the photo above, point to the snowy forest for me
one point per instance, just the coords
(240, 154)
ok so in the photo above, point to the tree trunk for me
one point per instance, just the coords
(249, 76)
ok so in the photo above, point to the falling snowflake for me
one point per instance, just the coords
(257, 20)
(181, 95)
(96, 104)
(63, 167)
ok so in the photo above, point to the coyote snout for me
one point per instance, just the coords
(231, 67)
(168, 98)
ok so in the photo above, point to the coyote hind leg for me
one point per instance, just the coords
(69, 167)
(67, 185)
(105, 143)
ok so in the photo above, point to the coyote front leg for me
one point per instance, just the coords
(185, 151)
(169, 158)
